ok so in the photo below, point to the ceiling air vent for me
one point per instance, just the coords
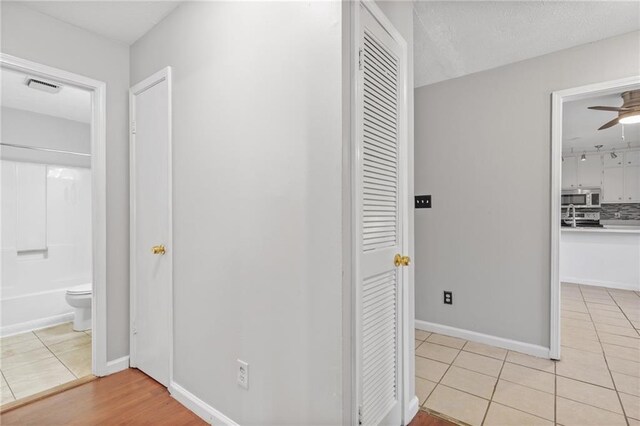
(45, 86)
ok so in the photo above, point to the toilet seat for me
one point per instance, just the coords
(80, 290)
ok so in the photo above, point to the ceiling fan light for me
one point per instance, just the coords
(583, 157)
(630, 119)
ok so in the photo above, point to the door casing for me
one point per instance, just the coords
(557, 100)
(98, 90)
(162, 75)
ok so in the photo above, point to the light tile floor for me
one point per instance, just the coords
(36, 361)
(597, 382)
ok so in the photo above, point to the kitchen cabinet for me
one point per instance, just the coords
(618, 177)
(582, 174)
(621, 178)
(614, 162)
(590, 171)
(613, 185)
(632, 183)
(569, 173)
(632, 158)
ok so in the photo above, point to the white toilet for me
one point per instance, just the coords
(79, 298)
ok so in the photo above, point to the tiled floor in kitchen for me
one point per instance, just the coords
(36, 361)
(597, 382)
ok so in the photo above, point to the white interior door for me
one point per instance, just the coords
(151, 268)
(380, 218)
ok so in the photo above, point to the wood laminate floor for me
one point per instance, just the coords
(126, 398)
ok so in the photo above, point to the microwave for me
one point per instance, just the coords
(583, 197)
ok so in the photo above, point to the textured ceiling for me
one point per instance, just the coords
(124, 21)
(71, 102)
(455, 38)
(580, 126)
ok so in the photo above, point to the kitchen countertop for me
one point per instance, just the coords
(630, 230)
(620, 222)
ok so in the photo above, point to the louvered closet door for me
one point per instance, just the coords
(380, 192)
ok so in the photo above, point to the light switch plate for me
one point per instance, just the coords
(423, 201)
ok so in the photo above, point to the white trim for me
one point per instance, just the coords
(408, 399)
(411, 409)
(37, 293)
(487, 339)
(557, 100)
(117, 365)
(198, 406)
(98, 194)
(37, 324)
(606, 284)
(163, 74)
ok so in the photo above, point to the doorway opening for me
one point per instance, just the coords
(53, 229)
(595, 237)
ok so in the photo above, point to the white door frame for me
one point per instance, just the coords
(557, 100)
(98, 196)
(158, 77)
(408, 399)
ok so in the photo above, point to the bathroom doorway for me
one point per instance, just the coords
(52, 229)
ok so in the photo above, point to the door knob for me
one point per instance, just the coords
(158, 249)
(400, 260)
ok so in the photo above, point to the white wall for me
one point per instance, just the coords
(483, 151)
(37, 37)
(28, 128)
(257, 151)
(33, 283)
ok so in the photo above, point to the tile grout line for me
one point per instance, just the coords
(8, 385)
(606, 363)
(604, 356)
(440, 379)
(504, 361)
(624, 412)
(56, 357)
(5, 377)
(445, 372)
(623, 313)
(493, 392)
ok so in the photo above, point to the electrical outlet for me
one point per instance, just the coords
(243, 374)
(448, 298)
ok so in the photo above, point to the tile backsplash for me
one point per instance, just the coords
(629, 211)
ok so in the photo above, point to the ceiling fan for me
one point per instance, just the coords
(628, 113)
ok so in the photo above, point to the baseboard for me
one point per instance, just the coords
(607, 284)
(474, 336)
(411, 410)
(198, 406)
(117, 365)
(23, 327)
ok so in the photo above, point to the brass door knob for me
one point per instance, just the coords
(400, 260)
(158, 249)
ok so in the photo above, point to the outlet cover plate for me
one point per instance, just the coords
(243, 374)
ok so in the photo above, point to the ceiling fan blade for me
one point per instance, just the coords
(609, 124)
(608, 108)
